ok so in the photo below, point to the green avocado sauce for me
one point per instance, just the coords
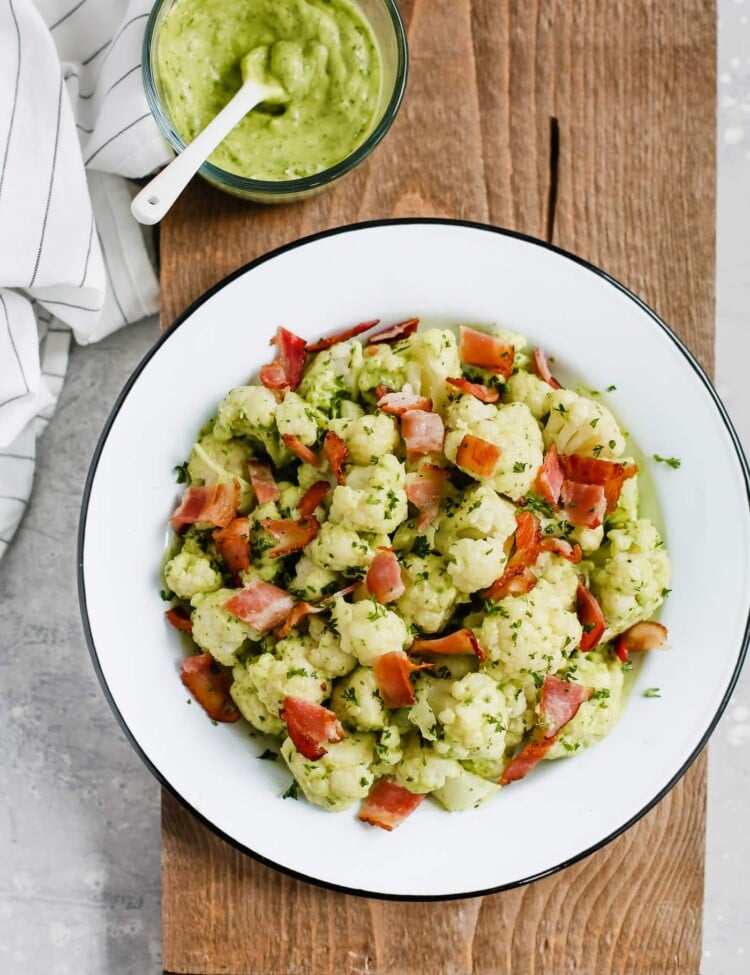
(321, 51)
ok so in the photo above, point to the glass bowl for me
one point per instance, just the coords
(390, 37)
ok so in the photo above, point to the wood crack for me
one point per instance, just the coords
(554, 159)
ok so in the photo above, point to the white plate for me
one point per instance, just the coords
(443, 272)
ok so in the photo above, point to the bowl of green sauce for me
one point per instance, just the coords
(342, 63)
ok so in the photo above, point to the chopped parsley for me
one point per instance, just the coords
(532, 502)
(292, 792)
(349, 694)
(611, 389)
(519, 467)
(652, 692)
(674, 462)
(181, 473)
(421, 546)
(268, 756)
(665, 593)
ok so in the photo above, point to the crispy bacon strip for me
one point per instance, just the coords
(481, 392)
(312, 498)
(402, 401)
(180, 619)
(394, 332)
(209, 685)
(558, 704)
(389, 804)
(517, 578)
(342, 336)
(590, 617)
(583, 504)
(609, 475)
(293, 350)
(424, 488)
(233, 544)
(310, 726)
(561, 546)
(542, 367)
(486, 351)
(262, 481)
(293, 535)
(462, 643)
(550, 478)
(392, 672)
(423, 432)
(261, 604)
(297, 613)
(297, 447)
(646, 635)
(477, 456)
(383, 579)
(213, 503)
(336, 453)
(273, 375)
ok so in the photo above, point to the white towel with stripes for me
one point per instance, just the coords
(73, 122)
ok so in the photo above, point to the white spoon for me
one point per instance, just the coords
(156, 198)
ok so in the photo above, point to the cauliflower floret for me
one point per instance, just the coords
(368, 437)
(475, 563)
(216, 630)
(464, 791)
(408, 537)
(388, 749)
(422, 769)
(287, 672)
(332, 377)
(295, 418)
(214, 461)
(340, 549)
(465, 718)
(525, 387)
(515, 431)
(631, 576)
(250, 411)
(188, 574)
(430, 595)
(343, 775)
(578, 425)
(597, 716)
(326, 654)
(559, 573)
(478, 513)
(373, 498)
(311, 581)
(590, 539)
(245, 696)
(357, 701)
(433, 358)
(383, 366)
(529, 634)
(368, 629)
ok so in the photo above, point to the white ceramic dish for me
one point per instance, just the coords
(443, 272)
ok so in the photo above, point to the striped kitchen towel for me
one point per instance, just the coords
(73, 122)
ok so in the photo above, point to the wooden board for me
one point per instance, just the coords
(590, 123)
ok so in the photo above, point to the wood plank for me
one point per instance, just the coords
(630, 87)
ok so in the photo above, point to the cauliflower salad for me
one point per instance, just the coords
(416, 560)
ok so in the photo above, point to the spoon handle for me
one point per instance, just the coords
(157, 196)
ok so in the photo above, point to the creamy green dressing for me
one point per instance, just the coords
(321, 51)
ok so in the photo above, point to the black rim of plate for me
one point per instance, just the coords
(335, 231)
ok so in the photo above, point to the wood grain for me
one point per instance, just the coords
(627, 88)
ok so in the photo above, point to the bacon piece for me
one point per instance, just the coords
(486, 351)
(462, 643)
(389, 804)
(542, 367)
(646, 635)
(583, 504)
(394, 332)
(424, 488)
(297, 447)
(213, 503)
(383, 579)
(392, 677)
(561, 546)
(403, 401)
(381, 391)
(608, 474)
(285, 372)
(423, 432)
(262, 481)
(312, 498)
(310, 726)
(517, 578)
(293, 535)
(233, 544)
(180, 619)
(343, 336)
(590, 617)
(261, 604)
(297, 613)
(336, 453)
(209, 685)
(558, 704)
(483, 393)
(477, 456)
(273, 375)
(550, 477)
